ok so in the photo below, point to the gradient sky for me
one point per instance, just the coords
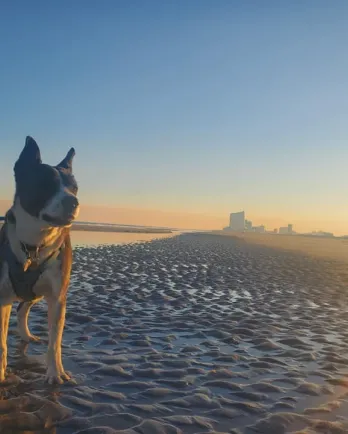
(184, 106)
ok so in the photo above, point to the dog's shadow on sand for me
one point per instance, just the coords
(27, 371)
(23, 361)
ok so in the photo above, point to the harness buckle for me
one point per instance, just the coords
(31, 257)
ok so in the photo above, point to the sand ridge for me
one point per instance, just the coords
(191, 334)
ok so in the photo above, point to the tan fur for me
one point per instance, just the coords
(66, 263)
(52, 285)
(37, 238)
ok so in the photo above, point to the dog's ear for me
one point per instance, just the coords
(30, 156)
(66, 163)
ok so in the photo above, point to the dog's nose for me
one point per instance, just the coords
(70, 203)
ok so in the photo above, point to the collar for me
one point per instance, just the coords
(31, 251)
(27, 248)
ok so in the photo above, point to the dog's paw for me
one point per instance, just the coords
(57, 377)
(2, 375)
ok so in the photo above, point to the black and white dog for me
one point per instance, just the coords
(35, 251)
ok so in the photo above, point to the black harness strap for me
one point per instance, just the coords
(22, 281)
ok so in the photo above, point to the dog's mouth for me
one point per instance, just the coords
(59, 221)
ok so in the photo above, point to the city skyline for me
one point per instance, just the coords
(150, 217)
(239, 223)
(184, 111)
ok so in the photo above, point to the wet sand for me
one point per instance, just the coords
(335, 249)
(93, 239)
(191, 334)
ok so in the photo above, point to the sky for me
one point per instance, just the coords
(183, 108)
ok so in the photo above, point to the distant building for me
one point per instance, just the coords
(237, 221)
(288, 230)
(259, 229)
(283, 230)
(275, 231)
(248, 225)
(322, 234)
(227, 229)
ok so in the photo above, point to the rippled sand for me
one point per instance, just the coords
(193, 334)
(334, 249)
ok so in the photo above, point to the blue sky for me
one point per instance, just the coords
(204, 106)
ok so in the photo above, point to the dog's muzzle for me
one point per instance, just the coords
(70, 209)
(70, 206)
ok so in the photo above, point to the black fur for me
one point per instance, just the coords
(37, 183)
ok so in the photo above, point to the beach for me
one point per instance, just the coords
(329, 248)
(196, 333)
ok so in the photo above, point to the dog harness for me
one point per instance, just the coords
(23, 276)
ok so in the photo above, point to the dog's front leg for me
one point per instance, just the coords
(56, 320)
(5, 312)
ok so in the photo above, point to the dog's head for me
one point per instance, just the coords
(47, 193)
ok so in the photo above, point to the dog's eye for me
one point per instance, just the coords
(73, 189)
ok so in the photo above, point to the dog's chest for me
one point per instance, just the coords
(47, 283)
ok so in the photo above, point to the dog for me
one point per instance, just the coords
(36, 253)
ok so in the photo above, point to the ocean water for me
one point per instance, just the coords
(90, 238)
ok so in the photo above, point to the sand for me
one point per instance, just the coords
(335, 249)
(190, 334)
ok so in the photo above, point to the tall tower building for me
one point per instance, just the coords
(237, 221)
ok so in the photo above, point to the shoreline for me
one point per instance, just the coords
(136, 230)
(326, 248)
(119, 229)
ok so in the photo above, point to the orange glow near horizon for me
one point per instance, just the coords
(183, 219)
